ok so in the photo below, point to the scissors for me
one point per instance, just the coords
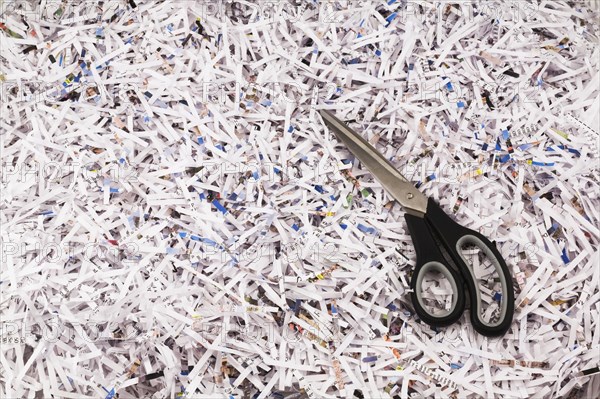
(439, 243)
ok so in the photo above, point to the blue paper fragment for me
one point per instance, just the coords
(525, 146)
(536, 163)
(553, 228)
(111, 393)
(366, 229)
(209, 242)
(564, 256)
(220, 207)
(563, 147)
(504, 158)
(390, 18)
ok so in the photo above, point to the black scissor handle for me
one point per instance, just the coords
(429, 258)
(452, 237)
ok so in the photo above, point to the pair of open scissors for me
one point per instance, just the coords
(439, 244)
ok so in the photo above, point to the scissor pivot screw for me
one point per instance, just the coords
(409, 195)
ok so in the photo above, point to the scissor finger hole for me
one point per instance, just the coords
(436, 290)
(488, 282)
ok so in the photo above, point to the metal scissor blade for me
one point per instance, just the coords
(396, 185)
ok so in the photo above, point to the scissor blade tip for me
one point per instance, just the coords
(328, 117)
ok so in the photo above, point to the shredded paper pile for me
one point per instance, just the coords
(178, 222)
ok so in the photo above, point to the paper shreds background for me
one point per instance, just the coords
(178, 222)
